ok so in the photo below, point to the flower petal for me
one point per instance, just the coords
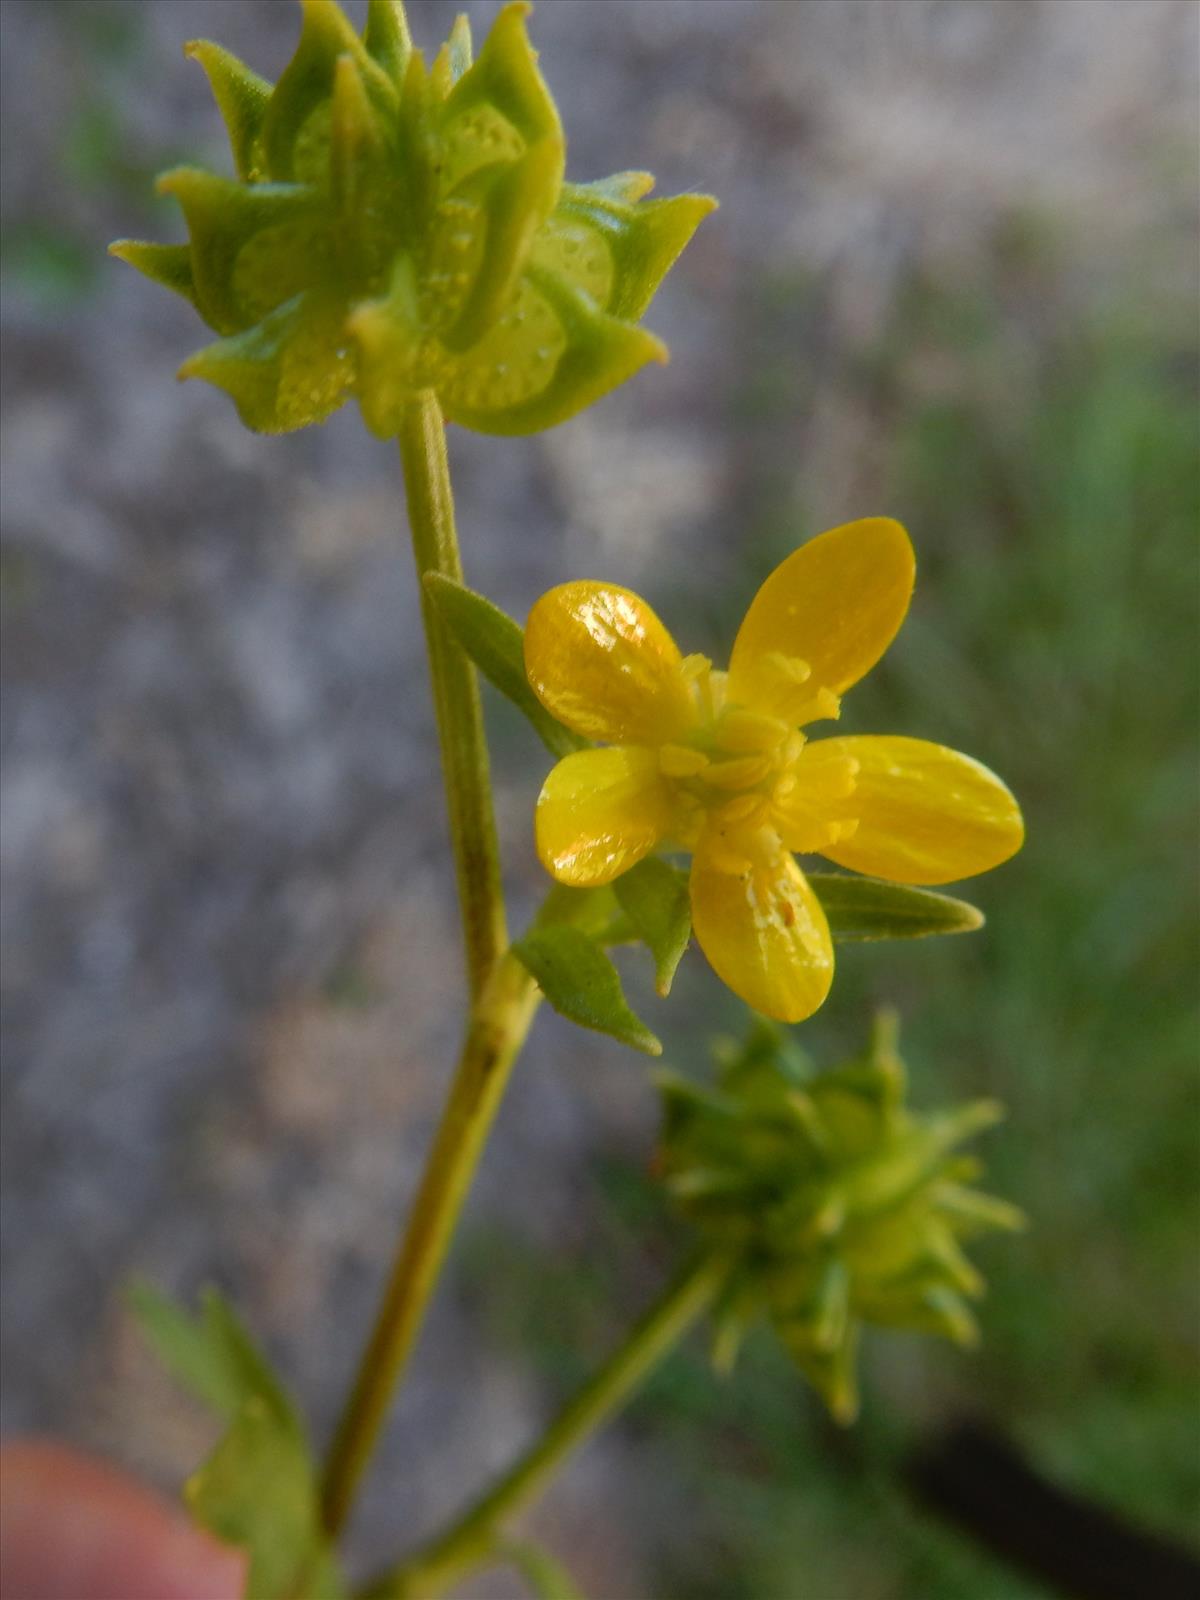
(599, 660)
(832, 607)
(764, 933)
(599, 813)
(926, 814)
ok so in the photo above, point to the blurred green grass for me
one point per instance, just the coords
(1045, 461)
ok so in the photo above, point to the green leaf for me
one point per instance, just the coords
(255, 1492)
(868, 908)
(654, 896)
(258, 1488)
(495, 643)
(581, 983)
(211, 1355)
(546, 1576)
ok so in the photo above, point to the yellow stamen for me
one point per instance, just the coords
(678, 761)
(742, 773)
(742, 808)
(790, 668)
(745, 732)
(822, 704)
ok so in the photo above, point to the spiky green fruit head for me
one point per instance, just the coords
(842, 1206)
(394, 228)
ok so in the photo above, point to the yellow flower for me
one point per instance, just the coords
(715, 763)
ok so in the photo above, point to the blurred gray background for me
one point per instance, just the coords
(952, 279)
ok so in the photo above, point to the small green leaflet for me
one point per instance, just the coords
(495, 643)
(654, 896)
(258, 1489)
(582, 984)
(867, 908)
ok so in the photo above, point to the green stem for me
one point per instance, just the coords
(455, 691)
(498, 1028)
(503, 995)
(473, 1538)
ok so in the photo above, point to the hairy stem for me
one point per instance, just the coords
(498, 1028)
(455, 691)
(477, 1536)
(503, 995)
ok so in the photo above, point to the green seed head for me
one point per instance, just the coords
(395, 227)
(842, 1206)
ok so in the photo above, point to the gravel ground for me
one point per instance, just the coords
(230, 969)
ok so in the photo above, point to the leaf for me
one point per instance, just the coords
(868, 908)
(545, 1575)
(495, 643)
(581, 983)
(211, 1355)
(256, 1492)
(258, 1488)
(654, 896)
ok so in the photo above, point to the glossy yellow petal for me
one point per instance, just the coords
(925, 814)
(823, 619)
(599, 660)
(599, 813)
(763, 931)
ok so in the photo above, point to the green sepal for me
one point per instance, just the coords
(495, 643)
(242, 98)
(593, 911)
(581, 983)
(222, 217)
(258, 1490)
(285, 372)
(168, 264)
(860, 909)
(292, 140)
(544, 1574)
(619, 252)
(387, 38)
(654, 896)
(598, 352)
